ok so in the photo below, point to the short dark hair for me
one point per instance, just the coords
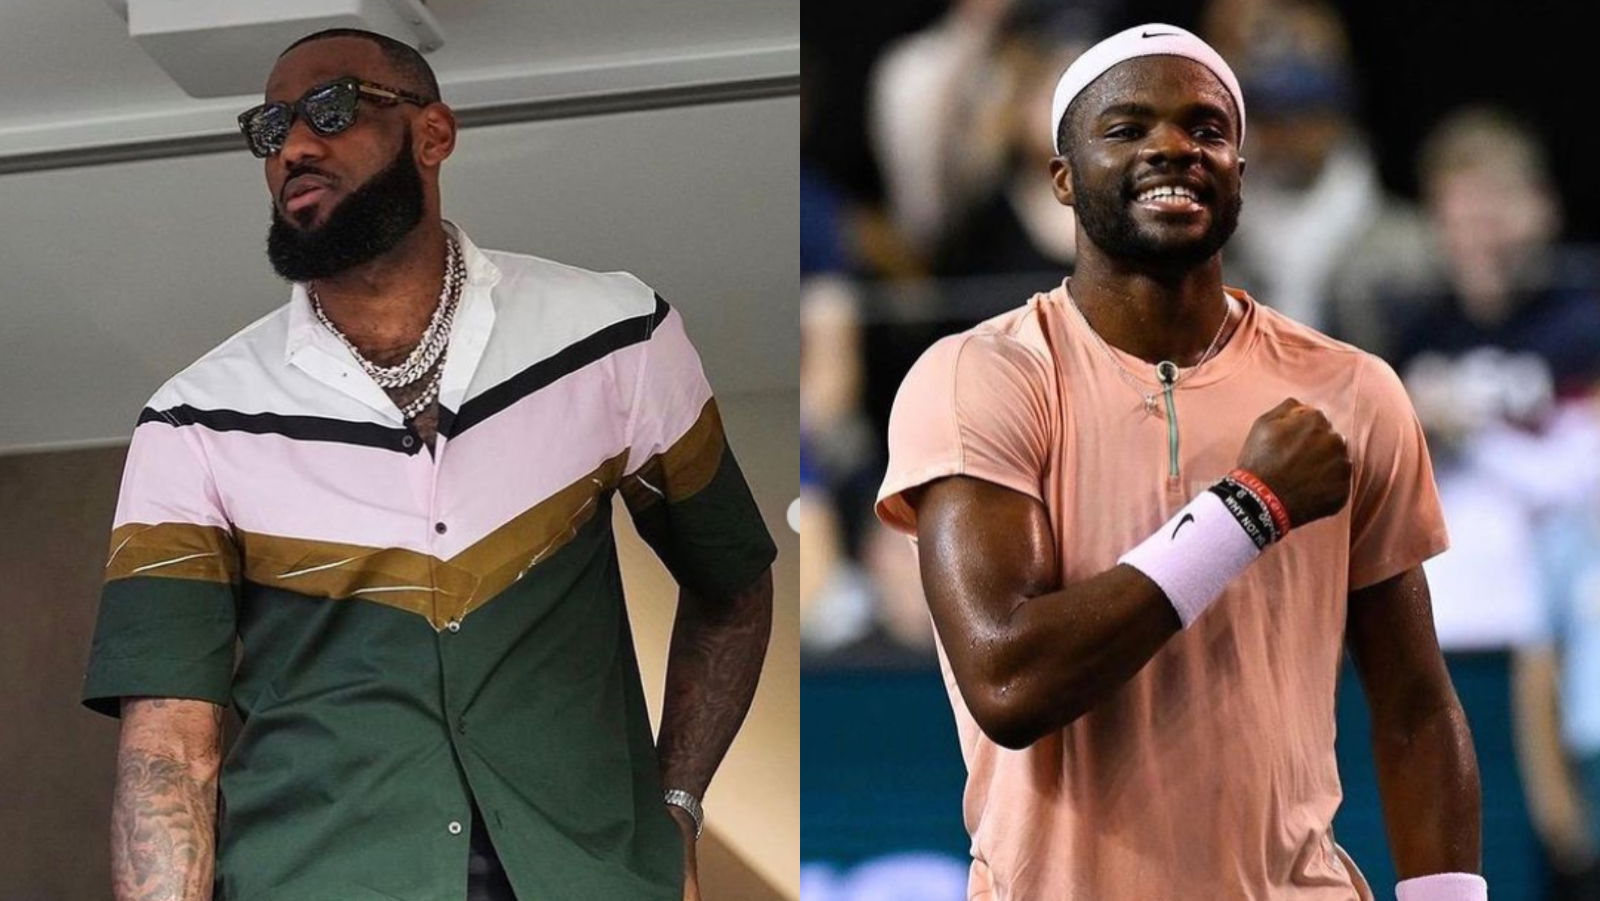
(407, 62)
(1064, 135)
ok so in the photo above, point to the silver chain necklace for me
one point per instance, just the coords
(1167, 372)
(428, 395)
(427, 358)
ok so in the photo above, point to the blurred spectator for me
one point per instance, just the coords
(835, 600)
(860, 593)
(1315, 214)
(897, 631)
(1502, 361)
(1557, 704)
(838, 466)
(1015, 223)
(926, 95)
(1508, 283)
(1488, 357)
(841, 448)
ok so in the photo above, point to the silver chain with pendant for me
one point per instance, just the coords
(1166, 370)
(427, 358)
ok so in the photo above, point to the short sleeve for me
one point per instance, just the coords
(1396, 522)
(166, 624)
(683, 487)
(973, 405)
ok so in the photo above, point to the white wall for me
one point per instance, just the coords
(114, 277)
(754, 802)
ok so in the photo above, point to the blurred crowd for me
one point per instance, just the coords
(1471, 290)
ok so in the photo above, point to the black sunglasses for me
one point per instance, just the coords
(328, 108)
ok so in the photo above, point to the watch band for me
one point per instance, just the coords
(677, 797)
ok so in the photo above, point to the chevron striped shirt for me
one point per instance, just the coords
(421, 631)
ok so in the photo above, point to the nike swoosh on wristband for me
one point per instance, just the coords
(1158, 34)
(1187, 518)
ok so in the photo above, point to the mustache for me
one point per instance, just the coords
(294, 172)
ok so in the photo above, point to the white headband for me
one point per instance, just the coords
(1153, 39)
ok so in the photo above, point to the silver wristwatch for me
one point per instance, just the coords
(677, 797)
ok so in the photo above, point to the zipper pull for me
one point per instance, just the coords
(1167, 375)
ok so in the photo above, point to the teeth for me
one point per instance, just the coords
(1166, 192)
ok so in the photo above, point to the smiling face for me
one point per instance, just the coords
(1152, 164)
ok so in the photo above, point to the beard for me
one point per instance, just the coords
(1107, 218)
(370, 222)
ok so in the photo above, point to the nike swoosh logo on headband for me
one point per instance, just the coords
(1158, 34)
(1187, 518)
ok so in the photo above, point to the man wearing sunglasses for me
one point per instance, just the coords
(394, 493)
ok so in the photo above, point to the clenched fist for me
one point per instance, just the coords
(1294, 449)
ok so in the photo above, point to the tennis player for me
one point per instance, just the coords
(1150, 514)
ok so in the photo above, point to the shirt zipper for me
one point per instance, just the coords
(1167, 375)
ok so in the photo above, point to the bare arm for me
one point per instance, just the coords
(718, 645)
(163, 817)
(1028, 653)
(1553, 798)
(1427, 770)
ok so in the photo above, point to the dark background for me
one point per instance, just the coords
(1414, 63)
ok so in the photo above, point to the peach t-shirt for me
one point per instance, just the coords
(1211, 773)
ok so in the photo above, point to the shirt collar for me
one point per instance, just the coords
(306, 331)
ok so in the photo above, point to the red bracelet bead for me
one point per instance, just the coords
(1280, 513)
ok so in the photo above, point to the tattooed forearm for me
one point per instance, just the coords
(164, 810)
(717, 649)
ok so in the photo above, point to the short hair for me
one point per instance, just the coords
(406, 61)
(1483, 137)
(1064, 129)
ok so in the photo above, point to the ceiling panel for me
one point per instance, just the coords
(74, 77)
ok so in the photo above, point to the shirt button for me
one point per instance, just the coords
(453, 625)
(441, 528)
(454, 827)
(407, 442)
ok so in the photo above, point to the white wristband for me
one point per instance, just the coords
(1195, 555)
(1443, 887)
